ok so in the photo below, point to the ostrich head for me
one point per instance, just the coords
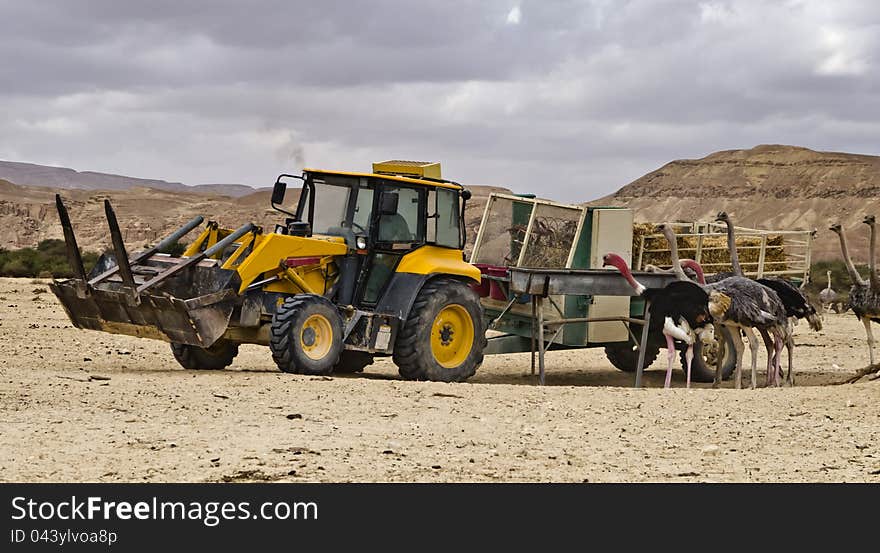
(869, 220)
(695, 267)
(722, 217)
(835, 228)
(614, 260)
(666, 230)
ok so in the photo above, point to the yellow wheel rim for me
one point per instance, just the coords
(316, 337)
(452, 336)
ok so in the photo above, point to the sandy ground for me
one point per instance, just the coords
(87, 406)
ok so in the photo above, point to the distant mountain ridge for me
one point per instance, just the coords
(30, 174)
(770, 186)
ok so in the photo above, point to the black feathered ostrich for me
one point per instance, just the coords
(740, 304)
(864, 297)
(680, 310)
(796, 304)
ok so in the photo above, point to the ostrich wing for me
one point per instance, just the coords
(795, 302)
(679, 299)
(752, 304)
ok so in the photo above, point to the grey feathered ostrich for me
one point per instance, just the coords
(680, 310)
(827, 296)
(796, 304)
(740, 304)
(864, 297)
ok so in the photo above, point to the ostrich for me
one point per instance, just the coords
(796, 304)
(742, 304)
(680, 311)
(827, 296)
(864, 298)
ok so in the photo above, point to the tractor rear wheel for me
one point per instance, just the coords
(443, 337)
(306, 335)
(353, 362)
(218, 356)
(703, 366)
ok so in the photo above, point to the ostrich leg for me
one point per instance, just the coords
(740, 351)
(779, 343)
(689, 357)
(768, 345)
(719, 356)
(670, 356)
(789, 346)
(753, 346)
(867, 322)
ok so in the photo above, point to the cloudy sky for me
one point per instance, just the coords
(568, 99)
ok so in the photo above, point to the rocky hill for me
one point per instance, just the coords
(769, 186)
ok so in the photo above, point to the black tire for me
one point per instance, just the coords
(289, 338)
(351, 361)
(218, 356)
(625, 356)
(413, 353)
(703, 367)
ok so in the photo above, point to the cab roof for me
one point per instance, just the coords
(410, 180)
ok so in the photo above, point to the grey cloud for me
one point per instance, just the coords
(574, 101)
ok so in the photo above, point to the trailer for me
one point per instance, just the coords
(543, 285)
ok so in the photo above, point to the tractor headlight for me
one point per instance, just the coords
(361, 243)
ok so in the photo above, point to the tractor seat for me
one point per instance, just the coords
(394, 228)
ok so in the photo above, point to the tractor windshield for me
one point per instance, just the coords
(326, 203)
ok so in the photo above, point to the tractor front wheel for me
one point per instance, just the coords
(443, 337)
(218, 356)
(306, 335)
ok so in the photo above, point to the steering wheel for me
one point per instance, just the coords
(359, 227)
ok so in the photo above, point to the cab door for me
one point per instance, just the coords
(397, 228)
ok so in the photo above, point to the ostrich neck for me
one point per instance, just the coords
(850, 268)
(673, 251)
(731, 244)
(627, 274)
(872, 274)
(829, 281)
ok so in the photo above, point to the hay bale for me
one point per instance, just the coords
(715, 256)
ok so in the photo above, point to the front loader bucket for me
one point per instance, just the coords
(198, 320)
(187, 300)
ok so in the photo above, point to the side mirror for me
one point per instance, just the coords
(388, 206)
(278, 192)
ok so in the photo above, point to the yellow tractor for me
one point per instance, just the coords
(364, 264)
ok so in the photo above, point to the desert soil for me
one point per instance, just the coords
(79, 405)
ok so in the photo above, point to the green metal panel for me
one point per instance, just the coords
(579, 306)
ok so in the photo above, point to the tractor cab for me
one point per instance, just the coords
(382, 216)
(400, 206)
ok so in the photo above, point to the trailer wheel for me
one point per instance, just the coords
(443, 338)
(353, 362)
(306, 335)
(626, 356)
(703, 367)
(218, 356)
